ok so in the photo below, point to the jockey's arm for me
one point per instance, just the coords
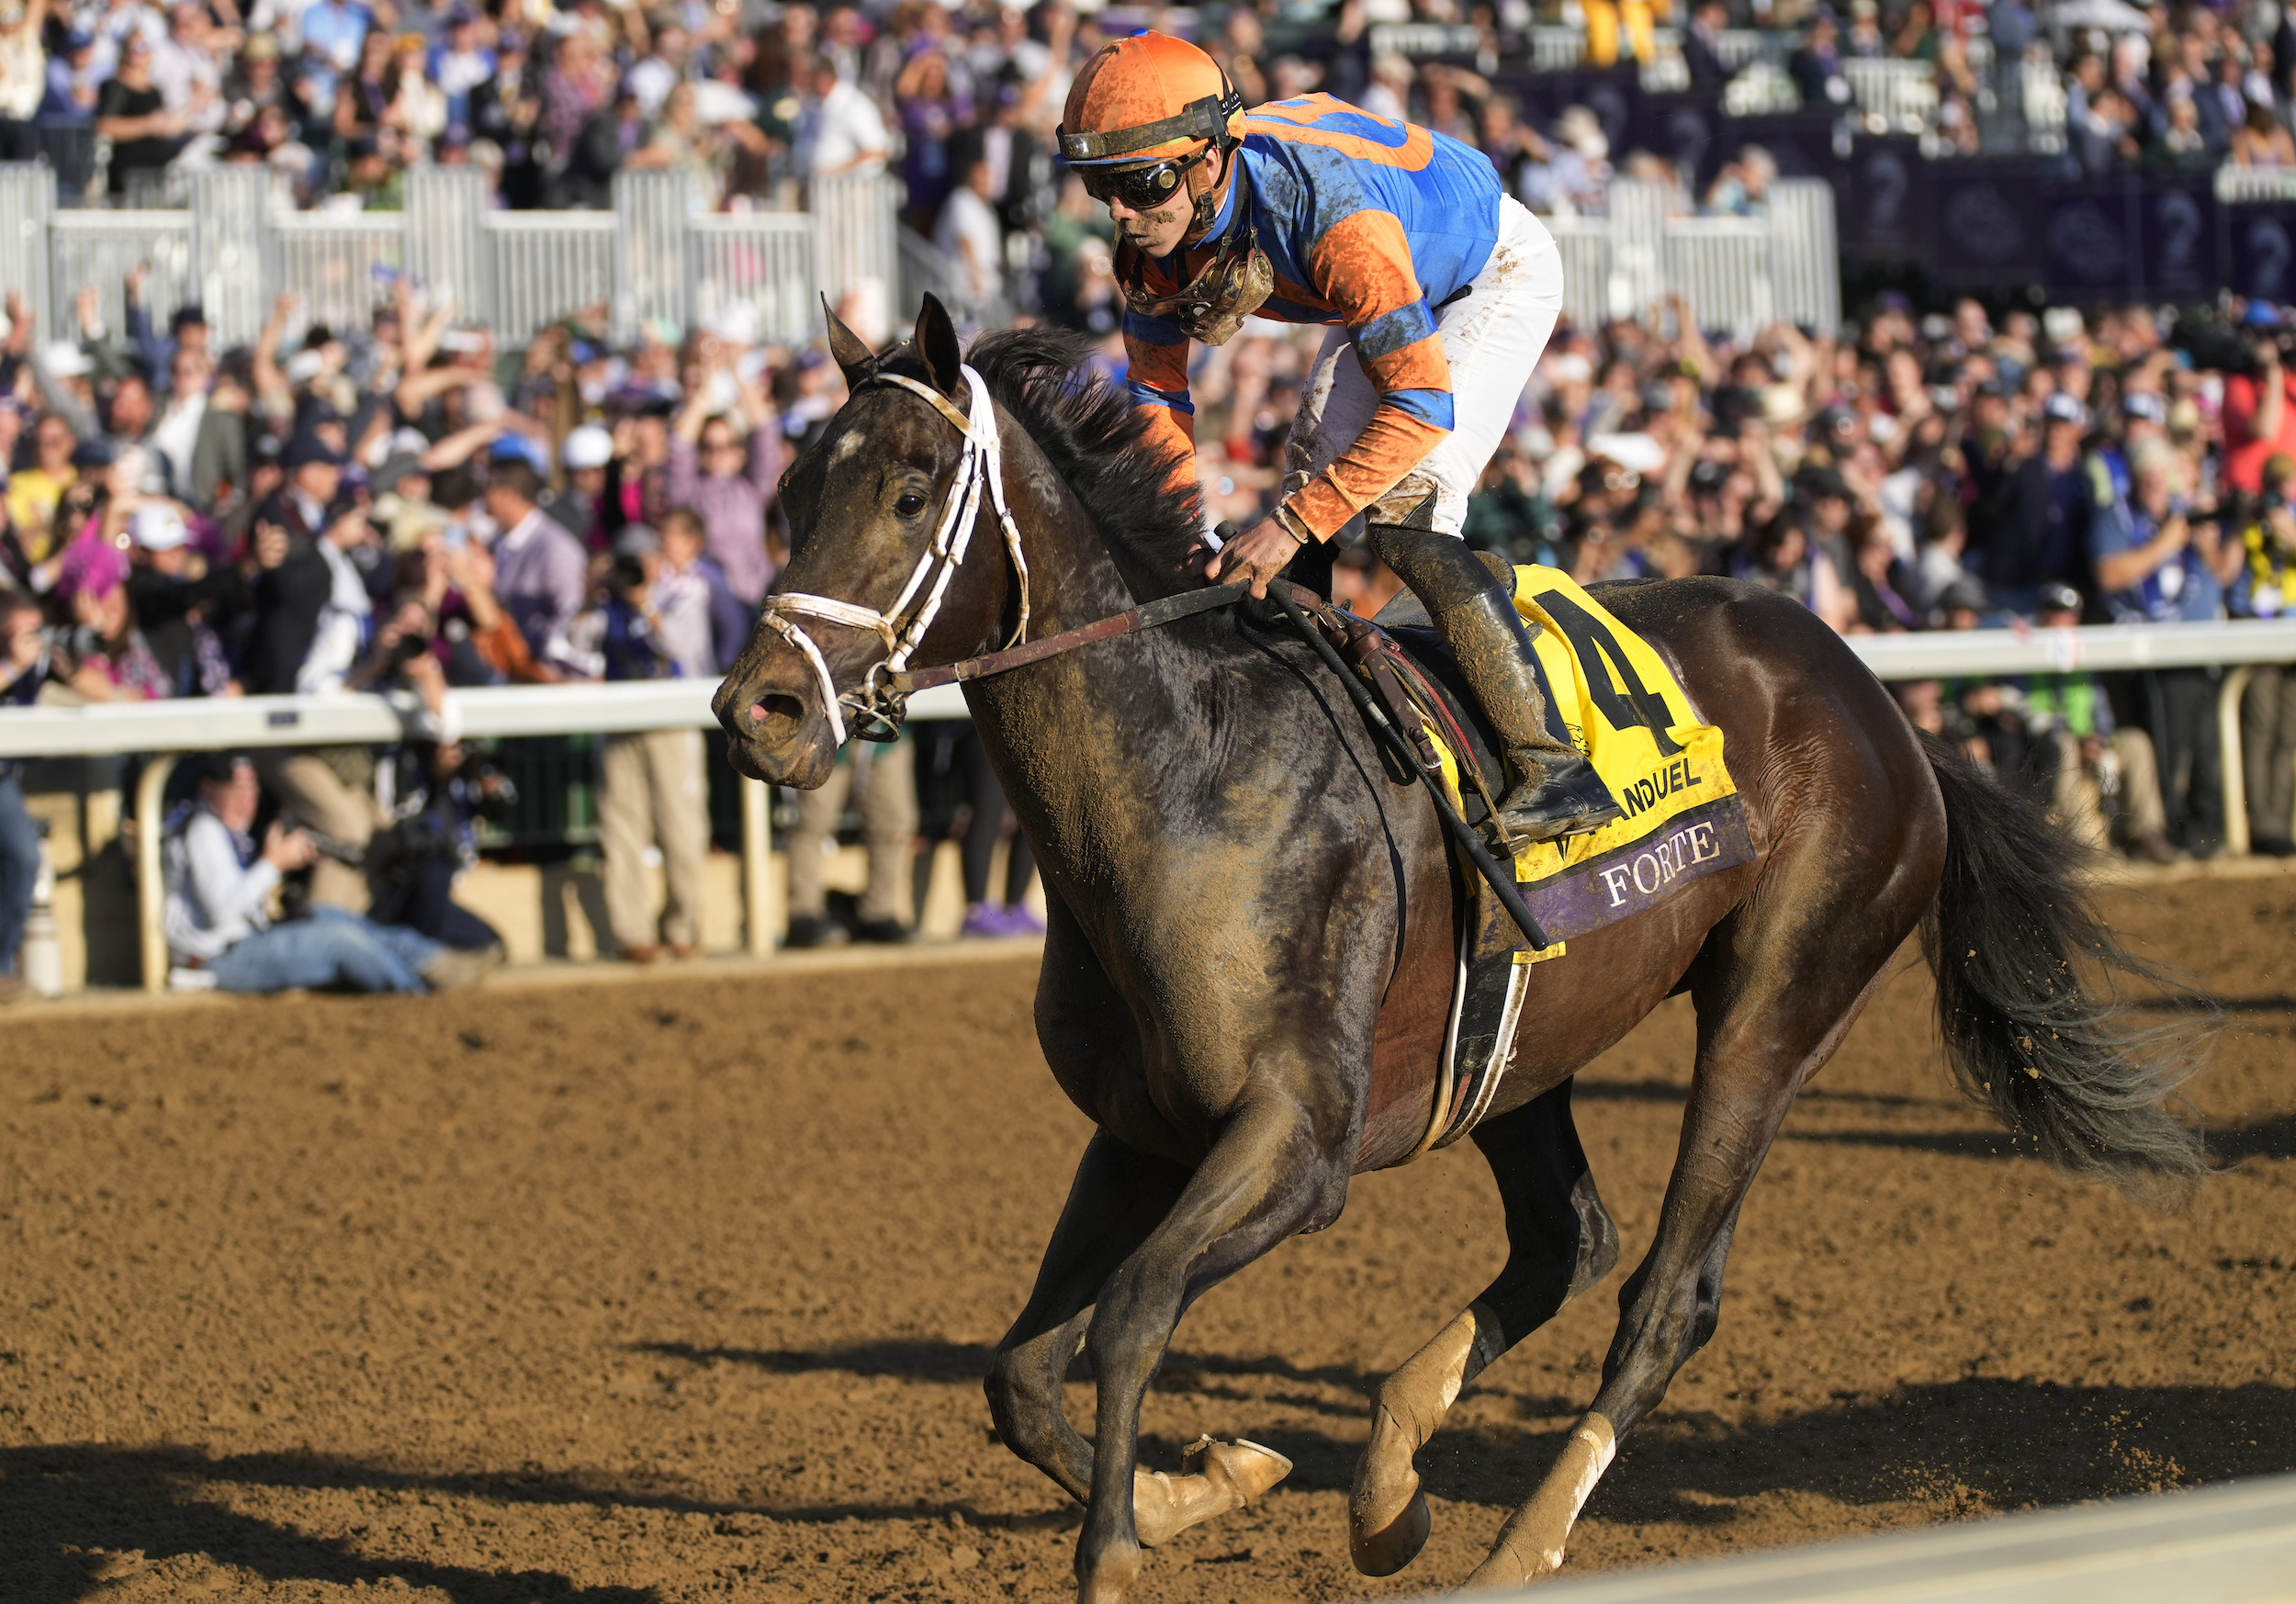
(1363, 267)
(1155, 350)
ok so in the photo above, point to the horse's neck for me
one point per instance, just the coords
(1101, 721)
(1073, 578)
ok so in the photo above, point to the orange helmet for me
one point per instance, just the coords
(1151, 100)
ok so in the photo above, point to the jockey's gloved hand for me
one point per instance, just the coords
(1258, 555)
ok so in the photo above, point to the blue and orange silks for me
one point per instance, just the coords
(1368, 223)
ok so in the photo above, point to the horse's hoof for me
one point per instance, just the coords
(1496, 1574)
(1396, 1542)
(1247, 1468)
(1215, 1478)
(1511, 1564)
(1387, 1511)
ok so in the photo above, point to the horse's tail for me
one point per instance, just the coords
(2021, 957)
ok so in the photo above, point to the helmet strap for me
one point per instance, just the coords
(1208, 195)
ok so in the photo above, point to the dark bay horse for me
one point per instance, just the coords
(1250, 951)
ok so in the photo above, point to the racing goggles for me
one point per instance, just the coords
(1141, 188)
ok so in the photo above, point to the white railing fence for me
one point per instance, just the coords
(2263, 185)
(858, 218)
(2228, 1544)
(542, 265)
(1585, 244)
(1896, 96)
(655, 255)
(232, 253)
(1740, 273)
(97, 249)
(162, 729)
(765, 260)
(1888, 95)
(2040, 94)
(160, 733)
(336, 261)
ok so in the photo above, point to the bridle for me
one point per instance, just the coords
(879, 703)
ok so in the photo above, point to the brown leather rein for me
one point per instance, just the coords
(1148, 615)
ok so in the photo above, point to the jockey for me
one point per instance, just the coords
(1441, 290)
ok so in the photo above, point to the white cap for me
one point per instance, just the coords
(158, 527)
(736, 322)
(64, 359)
(587, 447)
(398, 442)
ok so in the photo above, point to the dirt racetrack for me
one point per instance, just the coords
(681, 1289)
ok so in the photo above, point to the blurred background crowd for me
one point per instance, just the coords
(755, 98)
(405, 503)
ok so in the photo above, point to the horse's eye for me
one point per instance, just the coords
(910, 505)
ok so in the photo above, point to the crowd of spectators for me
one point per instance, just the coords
(404, 505)
(755, 99)
(2202, 87)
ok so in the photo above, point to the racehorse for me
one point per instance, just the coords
(1251, 951)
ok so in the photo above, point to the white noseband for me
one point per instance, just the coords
(929, 581)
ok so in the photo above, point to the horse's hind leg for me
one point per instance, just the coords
(1118, 1198)
(1559, 1242)
(1779, 984)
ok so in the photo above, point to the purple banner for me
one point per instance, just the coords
(1639, 875)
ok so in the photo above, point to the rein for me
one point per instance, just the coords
(882, 700)
(1148, 615)
(880, 703)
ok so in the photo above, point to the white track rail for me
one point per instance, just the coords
(225, 723)
(2223, 1545)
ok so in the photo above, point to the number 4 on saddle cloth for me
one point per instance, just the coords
(1611, 694)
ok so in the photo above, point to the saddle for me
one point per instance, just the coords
(1609, 693)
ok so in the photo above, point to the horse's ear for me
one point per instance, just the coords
(937, 342)
(850, 350)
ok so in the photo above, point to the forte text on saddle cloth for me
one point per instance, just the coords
(1612, 695)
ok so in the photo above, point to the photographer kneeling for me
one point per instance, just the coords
(441, 792)
(220, 888)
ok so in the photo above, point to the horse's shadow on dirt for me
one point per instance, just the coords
(80, 1516)
(2272, 1137)
(965, 1363)
(1977, 1443)
(71, 1512)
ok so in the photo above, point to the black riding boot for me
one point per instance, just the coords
(1556, 791)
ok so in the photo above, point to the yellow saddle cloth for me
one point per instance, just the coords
(1613, 696)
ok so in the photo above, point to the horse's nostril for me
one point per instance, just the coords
(776, 707)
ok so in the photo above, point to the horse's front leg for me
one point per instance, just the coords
(1274, 1171)
(1118, 1198)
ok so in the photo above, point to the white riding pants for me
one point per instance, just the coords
(1491, 338)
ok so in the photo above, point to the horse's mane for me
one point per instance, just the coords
(1098, 442)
